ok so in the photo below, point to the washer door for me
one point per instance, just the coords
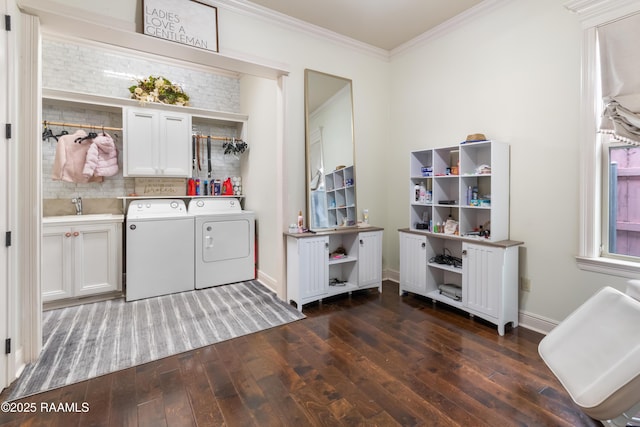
(225, 240)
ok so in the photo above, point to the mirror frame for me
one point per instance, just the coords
(308, 166)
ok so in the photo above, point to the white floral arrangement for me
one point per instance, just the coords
(158, 89)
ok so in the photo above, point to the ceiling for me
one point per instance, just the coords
(385, 24)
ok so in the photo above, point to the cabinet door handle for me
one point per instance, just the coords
(423, 245)
(67, 234)
(76, 234)
(464, 252)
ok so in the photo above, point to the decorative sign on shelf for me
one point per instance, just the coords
(187, 22)
(160, 186)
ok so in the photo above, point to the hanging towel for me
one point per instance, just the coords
(70, 159)
(102, 157)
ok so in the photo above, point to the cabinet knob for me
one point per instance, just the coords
(76, 234)
(67, 234)
(326, 245)
(423, 245)
(361, 242)
(464, 252)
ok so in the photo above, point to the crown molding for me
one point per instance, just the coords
(272, 16)
(449, 25)
(596, 12)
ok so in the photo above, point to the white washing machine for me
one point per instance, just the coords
(225, 242)
(159, 248)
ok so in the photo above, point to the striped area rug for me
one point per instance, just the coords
(86, 341)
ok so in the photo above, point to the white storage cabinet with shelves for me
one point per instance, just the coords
(468, 183)
(80, 258)
(341, 197)
(313, 274)
(487, 276)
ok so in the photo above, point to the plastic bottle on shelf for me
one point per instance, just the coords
(365, 216)
(423, 194)
(417, 194)
(300, 222)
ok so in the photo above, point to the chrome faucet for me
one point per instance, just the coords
(78, 202)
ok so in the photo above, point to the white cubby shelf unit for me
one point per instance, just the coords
(341, 197)
(468, 183)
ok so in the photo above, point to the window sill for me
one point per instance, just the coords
(610, 266)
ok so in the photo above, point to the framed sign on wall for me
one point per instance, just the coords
(187, 22)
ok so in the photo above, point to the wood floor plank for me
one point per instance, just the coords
(365, 359)
(290, 413)
(231, 406)
(75, 397)
(124, 406)
(99, 395)
(206, 411)
(177, 408)
(250, 392)
(151, 413)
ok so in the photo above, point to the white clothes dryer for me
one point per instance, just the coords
(225, 241)
(159, 248)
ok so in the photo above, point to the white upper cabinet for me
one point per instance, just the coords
(157, 143)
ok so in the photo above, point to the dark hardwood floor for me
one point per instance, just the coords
(369, 359)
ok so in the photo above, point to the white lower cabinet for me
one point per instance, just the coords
(490, 283)
(312, 268)
(413, 263)
(332, 263)
(487, 277)
(370, 259)
(80, 259)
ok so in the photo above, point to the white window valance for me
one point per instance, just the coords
(620, 78)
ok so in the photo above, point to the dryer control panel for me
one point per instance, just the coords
(214, 205)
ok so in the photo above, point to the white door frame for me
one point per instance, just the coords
(6, 167)
(20, 300)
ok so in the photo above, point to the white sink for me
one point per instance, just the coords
(83, 218)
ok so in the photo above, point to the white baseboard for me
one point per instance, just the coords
(536, 322)
(392, 275)
(268, 281)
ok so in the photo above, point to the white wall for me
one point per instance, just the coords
(512, 74)
(258, 98)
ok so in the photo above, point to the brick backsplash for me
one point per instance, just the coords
(81, 69)
(78, 68)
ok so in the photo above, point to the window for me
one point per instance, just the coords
(619, 94)
(604, 233)
(621, 204)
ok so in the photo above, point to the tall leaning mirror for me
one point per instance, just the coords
(331, 185)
